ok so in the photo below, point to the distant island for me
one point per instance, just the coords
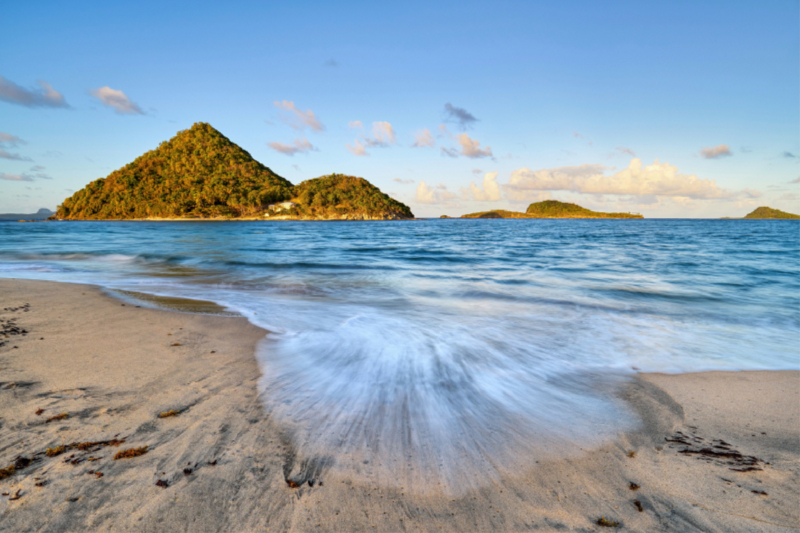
(201, 174)
(41, 214)
(551, 209)
(768, 212)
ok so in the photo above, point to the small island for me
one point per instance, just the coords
(551, 209)
(770, 213)
(201, 174)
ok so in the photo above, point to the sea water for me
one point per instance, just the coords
(454, 350)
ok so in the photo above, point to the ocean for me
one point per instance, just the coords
(464, 341)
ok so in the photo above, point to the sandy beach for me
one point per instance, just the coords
(79, 369)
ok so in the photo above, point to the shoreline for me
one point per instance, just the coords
(114, 368)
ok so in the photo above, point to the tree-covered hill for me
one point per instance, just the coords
(551, 209)
(200, 173)
(768, 212)
(345, 197)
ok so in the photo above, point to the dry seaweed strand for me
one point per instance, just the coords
(131, 452)
(604, 522)
(167, 414)
(62, 416)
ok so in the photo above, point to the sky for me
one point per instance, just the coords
(668, 109)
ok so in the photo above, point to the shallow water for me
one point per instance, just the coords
(457, 342)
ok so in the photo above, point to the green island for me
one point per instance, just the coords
(551, 209)
(201, 174)
(768, 212)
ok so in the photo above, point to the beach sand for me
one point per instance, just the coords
(223, 464)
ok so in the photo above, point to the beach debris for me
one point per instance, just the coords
(73, 499)
(167, 414)
(8, 471)
(16, 495)
(62, 416)
(716, 450)
(604, 522)
(292, 484)
(21, 462)
(187, 471)
(176, 344)
(84, 446)
(162, 483)
(5, 493)
(638, 506)
(39, 411)
(631, 454)
(98, 474)
(58, 450)
(633, 486)
(131, 452)
(93, 459)
(41, 483)
(761, 492)
(213, 463)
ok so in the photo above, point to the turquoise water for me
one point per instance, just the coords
(463, 341)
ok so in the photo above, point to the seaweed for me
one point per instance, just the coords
(83, 446)
(131, 452)
(167, 414)
(604, 522)
(633, 486)
(39, 411)
(162, 483)
(631, 454)
(58, 450)
(62, 416)
(638, 506)
(8, 471)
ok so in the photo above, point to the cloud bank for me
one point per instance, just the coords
(117, 100)
(658, 179)
(24, 176)
(296, 118)
(44, 96)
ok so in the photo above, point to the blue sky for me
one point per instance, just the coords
(679, 109)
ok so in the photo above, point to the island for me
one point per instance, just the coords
(41, 214)
(201, 174)
(551, 209)
(768, 212)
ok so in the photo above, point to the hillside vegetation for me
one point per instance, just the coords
(200, 173)
(551, 209)
(768, 212)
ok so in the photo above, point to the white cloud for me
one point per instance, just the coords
(297, 119)
(490, 192)
(721, 150)
(299, 146)
(382, 136)
(438, 196)
(658, 179)
(423, 138)
(358, 149)
(44, 96)
(356, 124)
(471, 147)
(404, 182)
(117, 100)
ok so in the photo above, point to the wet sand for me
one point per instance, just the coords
(716, 451)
